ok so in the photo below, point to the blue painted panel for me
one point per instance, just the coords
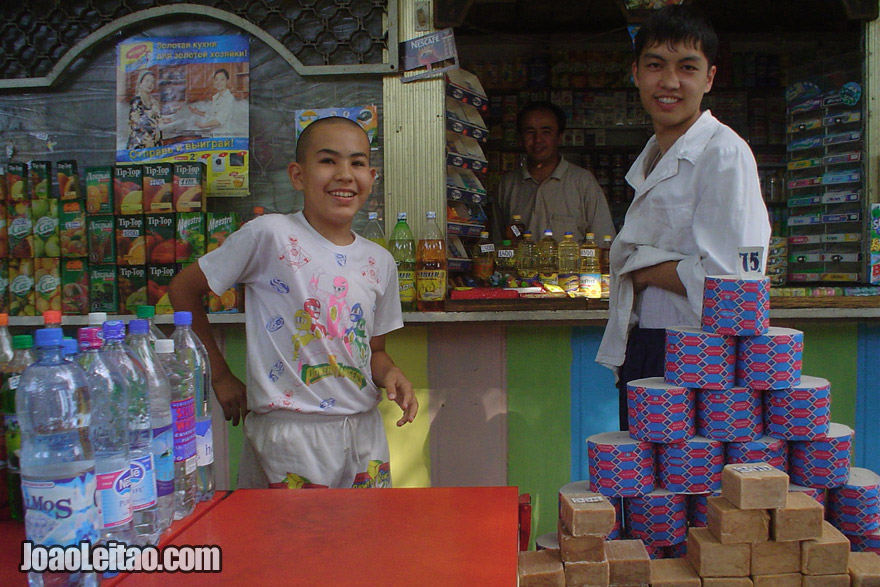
(868, 398)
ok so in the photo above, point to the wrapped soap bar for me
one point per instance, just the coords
(854, 508)
(771, 360)
(732, 415)
(735, 306)
(824, 462)
(659, 411)
(699, 359)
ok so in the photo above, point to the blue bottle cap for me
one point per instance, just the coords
(138, 326)
(183, 318)
(114, 330)
(47, 337)
(69, 346)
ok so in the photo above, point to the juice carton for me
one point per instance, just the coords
(131, 242)
(69, 187)
(47, 285)
(75, 286)
(72, 225)
(21, 229)
(102, 289)
(220, 226)
(158, 279)
(21, 287)
(229, 302)
(4, 231)
(102, 244)
(3, 187)
(47, 239)
(128, 189)
(160, 238)
(132, 285)
(158, 183)
(189, 186)
(4, 285)
(40, 180)
(16, 182)
(99, 190)
(190, 237)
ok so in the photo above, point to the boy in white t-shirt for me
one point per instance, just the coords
(319, 301)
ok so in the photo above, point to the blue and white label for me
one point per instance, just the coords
(143, 483)
(61, 511)
(204, 442)
(163, 458)
(114, 492)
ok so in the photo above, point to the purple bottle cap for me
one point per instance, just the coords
(114, 330)
(47, 337)
(89, 338)
(183, 318)
(138, 327)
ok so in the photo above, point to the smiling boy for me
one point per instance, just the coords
(697, 200)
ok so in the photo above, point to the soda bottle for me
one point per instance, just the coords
(144, 501)
(160, 415)
(526, 258)
(149, 313)
(431, 266)
(505, 259)
(590, 279)
(548, 259)
(483, 260)
(58, 479)
(191, 352)
(515, 230)
(373, 231)
(22, 357)
(183, 414)
(109, 394)
(569, 264)
(403, 249)
(52, 319)
(605, 265)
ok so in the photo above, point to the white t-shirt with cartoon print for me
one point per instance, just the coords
(312, 308)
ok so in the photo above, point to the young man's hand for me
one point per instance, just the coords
(400, 391)
(232, 395)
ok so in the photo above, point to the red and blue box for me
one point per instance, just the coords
(802, 412)
(864, 542)
(817, 493)
(735, 306)
(766, 449)
(693, 466)
(698, 509)
(824, 462)
(619, 465)
(771, 360)
(659, 411)
(734, 415)
(854, 508)
(699, 359)
(658, 518)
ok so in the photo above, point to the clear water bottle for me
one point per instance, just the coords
(57, 461)
(183, 413)
(373, 230)
(96, 320)
(108, 392)
(22, 357)
(160, 415)
(149, 313)
(5, 356)
(191, 352)
(5, 341)
(144, 501)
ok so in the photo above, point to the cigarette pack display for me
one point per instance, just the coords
(731, 525)
(72, 225)
(102, 240)
(16, 181)
(735, 306)
(21, 229)
(628, 562)
(619, 465)
(47, 285)
(158, 183)
(190, 236)
(188, 186)
(673, 572)
(69, 187)
(21, 287)
(587, 513)
(755, 486)
(864, 569)
(659, 411)
(822, 463)
(733, 415)
(128, 188)
(75, 286)
(132, 284)
(800, 519)
(710, 558)
(540, 568)
(854, 508)
(103, 292)
(771, 360)
(40, 180)
(99, 190)
(131, 240)
(699, 359)
(826, 555)
(47, 239)
(800, 413)
(692, 466)
(658, 518)
(766, 449)
(161, 246)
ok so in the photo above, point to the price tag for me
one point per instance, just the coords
(751, 260)
(490, 248)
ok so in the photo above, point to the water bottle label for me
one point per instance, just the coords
(183, 417)
(143, 483)
(114, 491)
(431, 285)
(163, 458)
(406, 281)
(61, 511)
(204, 442)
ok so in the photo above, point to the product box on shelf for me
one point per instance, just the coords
(189, 186)
(102, 244)
(16, 182)
(220, 225)
(103, 293)
(464, 119)
(875, 244)
(158, 183)
(40, 180)
(72, 224)
(99, 190)
(47, 239)
(131, 242)
(47, 285)
(128, 189)
(21, 229)
(160, 238)
(69, 187)
(463, 186)
(190, 236)
(466, 87)
(229, 302)
(464, 152)
(158, 279)
(132, 285)
(4, 285)
(4, 231)
(21, 287)
(75, 286)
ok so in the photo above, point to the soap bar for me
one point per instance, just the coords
(777, 580)
(864, 569)
(826, 555)
(825, 581)
(628, 562)
(587, 513)
(673, 572)
(756, 486)
(800, 519)
(727, 582)
(592, 573)
(770, 558)
(540, 568)
(731, 525)
(589, 547)
(710, 558)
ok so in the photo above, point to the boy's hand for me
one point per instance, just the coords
(400, 391)
(232, 395)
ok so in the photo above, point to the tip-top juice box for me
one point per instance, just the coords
(158, 279)
(132, 285)
(220, 226)
(21, 229)
(102, 241)
(69, 187)
(47, 285)
(21, 287)
(47, 238)
(102, 289)
(158, 185)
(4, 285)
(40, 180)
(161, 248)
(72, 227)
(99, 190)
(131, 240)
(75, 286)
(16, 182)
(190, 236)
(189, 186)
(3, 195)
(128, 189)
(4, 232)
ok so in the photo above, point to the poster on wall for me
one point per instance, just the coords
(366, 116)
(186, 99)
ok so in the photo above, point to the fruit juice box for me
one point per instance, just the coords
(16, 182)
(229, 302)
(160, 238)
(190, 236)
(72, 227)
(4, 285)
(102, 289)
(75, 286)
(3, 187)
(21, 229)
(4, 232)
(158, 184)
(47, 285)
(21, 287)
(40, 180)
(99, 190)
(220, 226)
(47, 237)
(189, 186)
(132, 285)
(102, 241)
(69, 187)
(131, 240)
(158, 279)
(128, 189)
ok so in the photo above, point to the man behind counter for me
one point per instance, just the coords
(549, 192)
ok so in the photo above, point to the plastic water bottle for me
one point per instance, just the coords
(373, 230)
(183, 413)
(57, 462)
(22, 358)
(5, 356)
(548, 259)
(144, 501)
(191, 352)
(110, 437)
(149, 313)
(569, 265)
(69, 348)
(403, 249)
(52, 319)
(96, 320)
(160, 415)
(5, 341)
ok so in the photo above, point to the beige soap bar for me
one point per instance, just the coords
(589, 547)
(628, 562)
(587, 513)
(727, 582)
(710, 558)
(540, 568)
(673, 572)
(864, 569)
(731, 525)
(778, 580)
(825, 581)
(592, 573)
(826, 555)
(756, 486)
(776, 558)
(800, 519)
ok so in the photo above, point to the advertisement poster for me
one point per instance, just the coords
(366, 116)
(186, 99)
(428, 55)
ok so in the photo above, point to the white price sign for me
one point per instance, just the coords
(751, 260)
